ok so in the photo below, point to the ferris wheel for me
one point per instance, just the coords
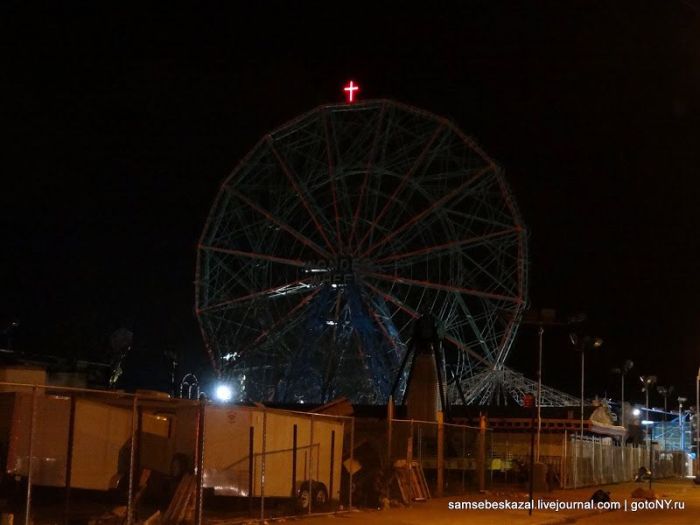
(336, 232)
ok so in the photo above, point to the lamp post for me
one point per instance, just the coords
(626, 367)
(681, 400)
(581, 344)
(647, 383)
(541, 317)
(649, 430)
(664, 392)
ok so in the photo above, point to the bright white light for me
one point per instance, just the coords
(647, 422)
(636, 412)
(223, 393)
(331, 322)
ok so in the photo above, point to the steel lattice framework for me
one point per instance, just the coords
(506, 386)
(339, 229)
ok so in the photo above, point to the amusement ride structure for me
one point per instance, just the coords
(336, 232)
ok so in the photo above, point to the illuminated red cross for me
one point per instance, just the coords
(351, 88)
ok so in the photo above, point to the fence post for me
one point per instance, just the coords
(132, 461)
(482, 452)
(577, 445)
(564, 463)
(309, 462)
(262, 466)
(294, 459)
(601, 463)
(30, 461)
(440, 453)
(389, 429)
(594, 471)
(623, 449)
(201, 420)
(251, 468)
(330, 479)
(420, 444)
(464, 454)
(352, 459)
(69, 458)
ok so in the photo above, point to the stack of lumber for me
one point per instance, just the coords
(181, 508)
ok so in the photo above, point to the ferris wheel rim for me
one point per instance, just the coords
(329, 230)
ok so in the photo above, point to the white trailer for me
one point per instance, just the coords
(294, 454)
(101, 437)
(248, 451)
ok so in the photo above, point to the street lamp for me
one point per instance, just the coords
(681, 400)
(626, 367)
(223, 392)
(545, 317)
(649, 429)
(647, 383)
(665, 392)
(581, 344)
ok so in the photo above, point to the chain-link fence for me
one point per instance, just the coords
(453, 458)
(72, 455)
(269, 463)
(598, 461)
(564, 460)
(595, 461)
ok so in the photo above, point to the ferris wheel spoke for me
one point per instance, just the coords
(435, 249)
(301, 193)
(393, 299)
(473, 325)
(443, 287)
(400, 186)
(484, 271)
(508, 335)
(368, 170)
(286, 227)
(253, 255)
(410, 311)
(287, 318)
(291, 288)
(380, 323)
(331, 176)
(427, 211)
(464, 348)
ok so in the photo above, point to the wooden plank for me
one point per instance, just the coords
(182, 500)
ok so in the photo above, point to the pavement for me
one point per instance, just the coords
(677, 493)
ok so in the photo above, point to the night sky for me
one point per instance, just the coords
(120, 124)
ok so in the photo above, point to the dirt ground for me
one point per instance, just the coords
(437, 511)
